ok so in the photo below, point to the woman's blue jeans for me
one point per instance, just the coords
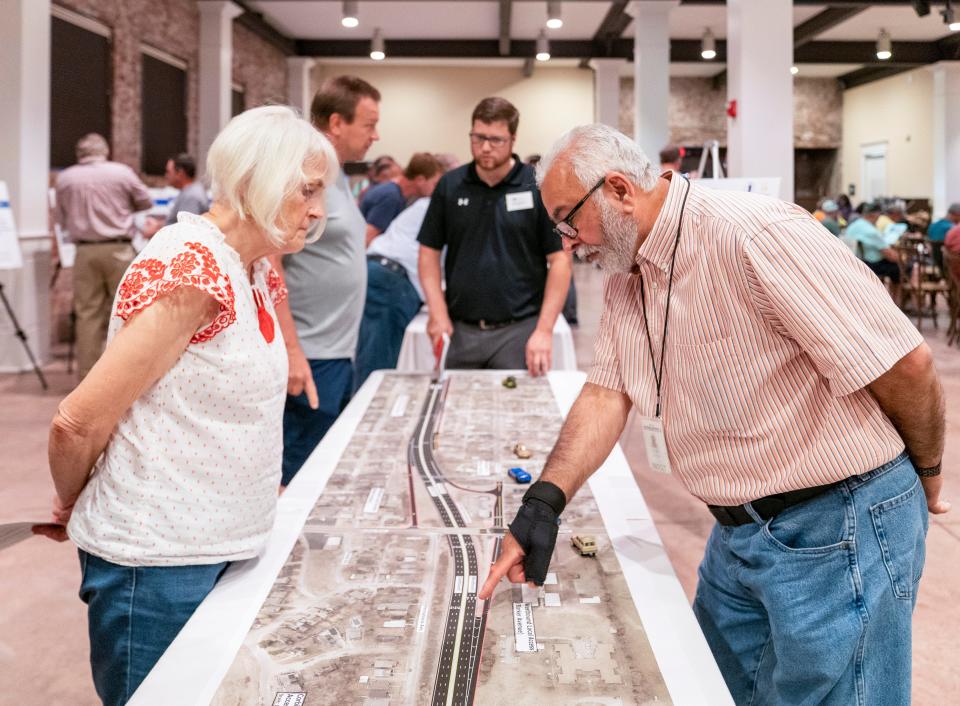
(814, 606)
(133, 613)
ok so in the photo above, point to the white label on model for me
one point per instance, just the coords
(523, 629)
(422, 618)
(458, 585)
(289, 698)
(373, 500)
(472, 585)
(400, 406)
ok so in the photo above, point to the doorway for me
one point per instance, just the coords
(873, 170)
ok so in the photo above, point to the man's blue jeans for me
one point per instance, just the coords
(815, 605)
(303, 428)
(133, 614)
(391, 303)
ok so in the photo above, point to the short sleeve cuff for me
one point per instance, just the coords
(851, 378)
(195, 266)
(604, 377)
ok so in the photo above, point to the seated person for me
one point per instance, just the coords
(166, 458)
(937, 232)
(878, 253)
(830, 212)
(384, 202)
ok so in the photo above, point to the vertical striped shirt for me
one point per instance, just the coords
(775, 331)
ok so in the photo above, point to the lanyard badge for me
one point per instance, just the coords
(652, 427)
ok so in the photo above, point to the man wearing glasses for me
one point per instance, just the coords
(774, 376)
(506, 272)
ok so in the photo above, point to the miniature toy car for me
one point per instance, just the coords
(521, 451)
(519, 475)
(586, 544)
(509, 382)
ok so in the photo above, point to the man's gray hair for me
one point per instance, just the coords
(596, 150)
(92, 145)
(954, 209)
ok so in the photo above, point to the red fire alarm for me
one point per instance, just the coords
(732, 108)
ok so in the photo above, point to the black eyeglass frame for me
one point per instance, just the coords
(573, 233)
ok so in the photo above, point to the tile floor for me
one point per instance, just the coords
(43, 645)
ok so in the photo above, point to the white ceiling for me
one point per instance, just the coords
(479, 19)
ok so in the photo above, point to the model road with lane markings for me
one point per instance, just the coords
(459, 662)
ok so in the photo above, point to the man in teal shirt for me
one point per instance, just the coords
(877, 252)
(937, 232)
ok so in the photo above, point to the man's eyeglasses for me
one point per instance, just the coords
(495, 141)
(565, 228)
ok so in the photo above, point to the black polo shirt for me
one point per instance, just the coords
(497, 241)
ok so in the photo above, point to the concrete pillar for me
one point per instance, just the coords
(24, 165)
(216, 70)
(946, 136)
(759, 56)
(606, 90)
(299, 85)
(651, 74)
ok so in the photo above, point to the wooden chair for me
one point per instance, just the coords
(951, 266)
(917, 285)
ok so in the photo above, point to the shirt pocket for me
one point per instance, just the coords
(712, 386)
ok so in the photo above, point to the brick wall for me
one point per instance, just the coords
(259, 67)
(697, 111)
(172, 26)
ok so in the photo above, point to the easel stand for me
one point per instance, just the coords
(21, 334)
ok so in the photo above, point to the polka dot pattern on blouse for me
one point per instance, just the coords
(191, 472)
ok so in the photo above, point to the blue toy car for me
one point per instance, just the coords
(519, 475)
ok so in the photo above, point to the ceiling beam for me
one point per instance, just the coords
(821, 22)
(254, 22)
(506, 10)
(868, 74)
(681, 50)
(614, 23)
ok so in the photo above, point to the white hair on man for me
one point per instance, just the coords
(257, 161)
(592, 152)
(596, 150)
(92, 145)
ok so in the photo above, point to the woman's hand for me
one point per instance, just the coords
(57, 529)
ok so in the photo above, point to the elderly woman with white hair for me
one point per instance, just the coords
(166, 458)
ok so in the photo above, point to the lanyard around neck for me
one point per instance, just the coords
(658, 374)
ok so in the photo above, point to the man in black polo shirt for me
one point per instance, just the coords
(507, 275)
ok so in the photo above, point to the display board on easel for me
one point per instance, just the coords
(10, 257)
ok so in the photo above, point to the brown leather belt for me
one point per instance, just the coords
(766, 507)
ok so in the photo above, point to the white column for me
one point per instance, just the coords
(759, 56)
(946, 136)
(24, 165)
(299, 85)
(651, 74)
(216, 69)
(606, 90)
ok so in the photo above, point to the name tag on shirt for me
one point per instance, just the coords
(656, 444)
(520, 201)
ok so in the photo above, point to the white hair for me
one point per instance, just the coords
(596, 150)
(92, 145)
(257, 160)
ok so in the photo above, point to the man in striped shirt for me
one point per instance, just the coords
(778, 381)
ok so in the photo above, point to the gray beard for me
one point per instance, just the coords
(618, 252)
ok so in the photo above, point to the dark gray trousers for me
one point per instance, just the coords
(497, 349)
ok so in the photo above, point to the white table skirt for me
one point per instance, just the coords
(416, 352)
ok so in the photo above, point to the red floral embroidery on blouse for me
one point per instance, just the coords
(276, 287)
(150, 278)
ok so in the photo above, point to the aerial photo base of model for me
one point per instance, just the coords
(377, 603)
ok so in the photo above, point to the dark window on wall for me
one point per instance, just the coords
(79, 88)
(164, 113)
(237, 102)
